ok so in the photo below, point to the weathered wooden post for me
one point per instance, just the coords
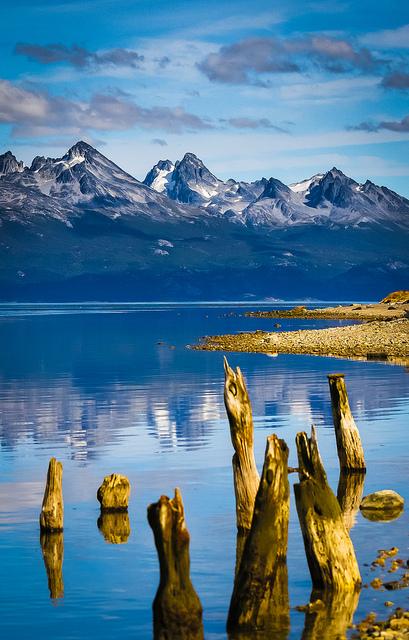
(114, 526)
(260, 596)
(113, 494)
(349, 446)
(349, 495)
(246, 476)
(177, 611)
(329, 550)
(52, 547)
(52, 510)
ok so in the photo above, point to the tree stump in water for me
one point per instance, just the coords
(52, 546)
(246, 476)
(114, 526)
(349, 446)
(349, 495)
(52, 510)
(329, 550)
(260, 596)
(177, 611)
(113, 494)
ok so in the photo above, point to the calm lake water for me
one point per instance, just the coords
(113, 388)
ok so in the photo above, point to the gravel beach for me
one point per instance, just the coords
(373, 340)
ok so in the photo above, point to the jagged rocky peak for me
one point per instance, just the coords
(76, 154)
(336, 173)
(334, 188)
(157, 176)
(38, 163)
(80, 152)
(165, 165)
(191, 167)
(187, 180)
(275, 189)
(10, 164)
(191, 159)
(81, 148)
(192, 182)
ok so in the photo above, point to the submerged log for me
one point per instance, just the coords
(349, 446)
(52, 546)
(114, 526)
(349, 494)
(329, 615)
(52, 510)
(177, 611)
(260, 596)
(113, 494)
(329, 550)
(246, 476)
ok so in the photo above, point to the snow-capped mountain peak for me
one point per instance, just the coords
(158, 177)
(187, 180)
(85, 178)
(80, 225)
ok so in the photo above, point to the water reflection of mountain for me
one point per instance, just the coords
(95, 380)
(63, 414)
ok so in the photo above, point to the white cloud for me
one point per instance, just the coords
(388, 38)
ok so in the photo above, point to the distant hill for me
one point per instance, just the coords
(397, 296)
(80, 228)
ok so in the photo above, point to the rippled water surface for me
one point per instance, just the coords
(113, 388)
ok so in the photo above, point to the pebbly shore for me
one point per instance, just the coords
(372, 340)
(377, 311)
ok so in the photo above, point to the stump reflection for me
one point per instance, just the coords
(114, 526)
(52, 546)
(349, 495)
(330, 616)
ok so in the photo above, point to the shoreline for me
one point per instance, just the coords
(375, 340)
(371, 312)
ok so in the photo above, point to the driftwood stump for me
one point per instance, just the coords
(330, 615)
(113, 494)
(52, 510)
(349, 446)
(52, 546)
(330, 553)
(246, 476)
(260, 596)
(114, 526)
(349, 494)
(177, 611)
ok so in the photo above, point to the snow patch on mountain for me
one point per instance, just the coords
(304, 185)
(165, 243)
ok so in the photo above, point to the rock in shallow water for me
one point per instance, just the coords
(382, 505)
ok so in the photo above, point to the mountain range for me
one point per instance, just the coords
(79, 227)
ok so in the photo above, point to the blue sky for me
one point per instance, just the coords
(254, 89)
